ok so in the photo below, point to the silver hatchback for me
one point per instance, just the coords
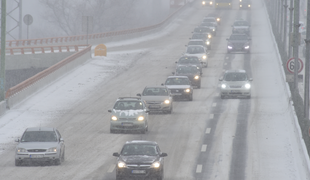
(40, 144)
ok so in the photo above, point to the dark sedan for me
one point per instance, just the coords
(238, 42)
(190, 60)
(191, 71)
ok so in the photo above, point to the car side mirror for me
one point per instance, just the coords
(176, 62)
(190, 38)
(139, 94)
(109, 111)
(227, 39)
(250, 79)
(220, 79)
(116, 154)
(208, 53)
(173, 73)
(162, 84)
(163, 154)
(61, 139)
(147, 111)
(17, 140)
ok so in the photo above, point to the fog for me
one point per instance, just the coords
(52, 18)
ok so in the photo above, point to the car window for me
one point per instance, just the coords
(241, 23)
(194, 49)
(195, 43)
(235, 77)
(177, 81)
(155, 92)
(139, 149)
(187, 69)
(128, 105)
(238, 37)
(198, 36)
(39, 136)
(208, 20)
(189, 60)
(207, 24)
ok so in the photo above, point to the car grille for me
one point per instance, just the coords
(153, 102)
(238, 45)
(177, 90)
(129, 119)
(36, 150)
(139, 166)
(235, 86)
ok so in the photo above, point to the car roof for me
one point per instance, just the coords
(141, 142)
(195, 46)
(196, 40)
(236, 70)
(40, 129)
(186, 65)
(128, 98)
(156, 87)
(185, 77)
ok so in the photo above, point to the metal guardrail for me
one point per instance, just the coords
(43, 49)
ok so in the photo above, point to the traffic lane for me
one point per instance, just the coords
(78, 129)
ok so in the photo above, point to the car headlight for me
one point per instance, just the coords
(167, 101)
(247, 47)
(240, 0)
(196, 77)
(54, 149)
(229, 47)
(140, 118)
(204, 57)
(187, 90)
(223, 86)
(121, 164)
(213, 29)
(247, 86)
(209, 36)
(218, 19)
(208, 42)
(19, 150)
(114, 118)
(249, 5)
(211, 2)
(156, 164)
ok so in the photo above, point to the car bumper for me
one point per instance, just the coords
(37, 157)
(236, 92)
(159, 107)
(143, 173)
(127, 126)
(238, 49)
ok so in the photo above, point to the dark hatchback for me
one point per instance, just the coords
(191, 71)
(190, 60)
(140, 160)
(239, 42)
(206, 37)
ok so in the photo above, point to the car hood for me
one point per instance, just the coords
(189, 75)
(238, 41)
(139, 159)
(37, 145)
(155, 98)
(178, 86)
(235, 83)
(127, 113)
(241, 27)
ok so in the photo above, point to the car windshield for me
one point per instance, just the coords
(177, 81)
(194, 49)
(128, 105)
(39, 136)
(235, 77)
(209, 20)
(139, 149)
(201, 30)
(198, 36)
(238, 37)
(196, 43)
(186, 69)
(189, 60)
(241, 23)
(155, 92)
(207, 24)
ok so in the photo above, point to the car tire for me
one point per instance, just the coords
(58, 161)
(118, 178)
(18, 162)
(190, 97)
(222, 96)
(228, 52)
(248, 97)
(170, 111)
(63, 156)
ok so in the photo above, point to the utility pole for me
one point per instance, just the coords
(307, 40)
(285, 26)
(3, 40)
(290, 29)
(296, 44)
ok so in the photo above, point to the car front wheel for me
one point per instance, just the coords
(17, 162)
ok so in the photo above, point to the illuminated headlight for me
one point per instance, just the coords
(208, 42)
(249, 5)
(209, 36)
(240, 5)
(187, 90)
(156, 164)
(166, 101)
(203, 2)
(240, 0)
(204, 57)
(211, 3)
(21, 150)
(213, 29)
(140, 118)
(114, 118)
(121, 164)
(54, 149)
(247, 47)
(229, 47)
(229, 4)
(223, 86)
(218, 19)
(247, 86)
(196, 77)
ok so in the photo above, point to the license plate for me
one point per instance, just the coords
(138, 171)
(36, 156)
(127, 124)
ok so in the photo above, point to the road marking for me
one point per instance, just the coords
(214, 104)
(204, 148)
(111, 169)
(199, 168)
(211, 116)
(208, 130)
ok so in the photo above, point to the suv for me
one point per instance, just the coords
(40, 144)
(129, 114)
(198, 51)
(241, 26)
(245, 4)
(157, 98)
(190, 60)
(235, 83)
(140, 160)
(191, 71)
(238, 42)
(180, 87)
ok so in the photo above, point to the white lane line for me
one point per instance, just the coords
(199, 168)
(111, 169)
(204, 148)
(211, 116)
(214, 104)
(208, 130)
